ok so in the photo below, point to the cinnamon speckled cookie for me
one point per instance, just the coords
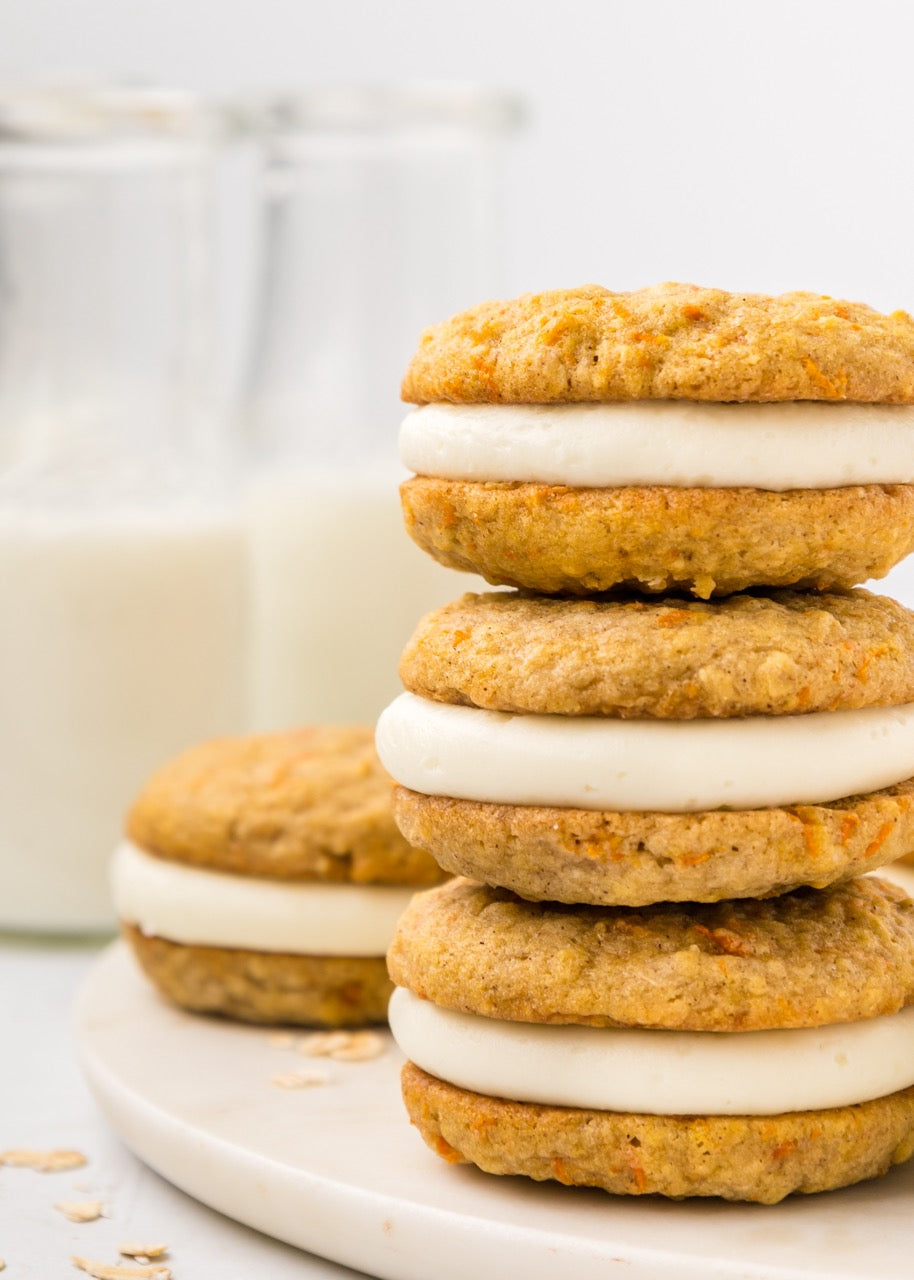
(745, 508)
(665, 342)
(262, 877)
(309, 804)
(759, 1158)
(775, 654)
(633, 859)
(804, 959)
(788, 998)
(653, 538)
(265, 987)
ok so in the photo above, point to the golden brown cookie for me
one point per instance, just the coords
(670, 341)
(634, 859)
(553, 538)
(775, 654)
(266, 987)
(219, 841)
(760, 1158)
(307, 804)
(804, 959)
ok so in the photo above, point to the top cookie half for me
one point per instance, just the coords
(670, 341)
(305, 804)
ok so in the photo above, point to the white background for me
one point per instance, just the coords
(756, 144)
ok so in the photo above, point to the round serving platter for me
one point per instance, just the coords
(336, 1169)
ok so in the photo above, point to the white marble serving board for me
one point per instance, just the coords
(337, 1170)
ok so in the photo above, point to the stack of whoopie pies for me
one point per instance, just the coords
(662, 764)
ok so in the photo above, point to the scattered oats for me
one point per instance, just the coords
(320, 1044)
(300, 1079)
(343, 1046)
(361, 1046)
(105, 1271)
(81, 1210)
(281, 1040)
(145, 1251)
(43, 1161)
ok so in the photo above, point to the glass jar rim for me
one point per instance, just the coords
(372, 108)
(98, 113)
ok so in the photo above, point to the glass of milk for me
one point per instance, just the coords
(382, 213)
(122, 564)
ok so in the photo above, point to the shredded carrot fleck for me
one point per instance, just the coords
(458, 637)
(812, 838)
(638, 1173)
(804, 697)
(673, 617)
(819, 378)
(842, 312)
(783, 1149)
(726, 939)
(878, 652)
(881, 836)
(693, 859)
(848, 827)
(446, 1151)
(691, 312)
(560, 1173)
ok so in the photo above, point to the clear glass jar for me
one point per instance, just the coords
(382, 212)
(122, 569)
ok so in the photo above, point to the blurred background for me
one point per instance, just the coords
(208, 295)
(745, 144)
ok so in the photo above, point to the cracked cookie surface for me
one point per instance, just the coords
(307, 804)
(669, 341)
(778, 654)
(804, 959)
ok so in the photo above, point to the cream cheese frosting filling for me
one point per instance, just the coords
(659, 1072)
(673, 766)
(779, 446)
(214, 909)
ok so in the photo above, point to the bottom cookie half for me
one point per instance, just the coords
(634, 859)
(760, 1158)
(553, 538)
(266, 987)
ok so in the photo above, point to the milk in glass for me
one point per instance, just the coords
(123, 607)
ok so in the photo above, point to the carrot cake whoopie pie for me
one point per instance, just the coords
(628, 751)
(261, 878)
(746, 1050)
(673, 438)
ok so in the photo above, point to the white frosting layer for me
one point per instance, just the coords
(677, 766)
(795, 445)
(659, 1072)
(213, 909)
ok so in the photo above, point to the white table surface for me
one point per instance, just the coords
(44, 1104)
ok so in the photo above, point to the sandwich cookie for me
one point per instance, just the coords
(261, 878)
(674, 438)
(629, 751)
(744, 1049)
